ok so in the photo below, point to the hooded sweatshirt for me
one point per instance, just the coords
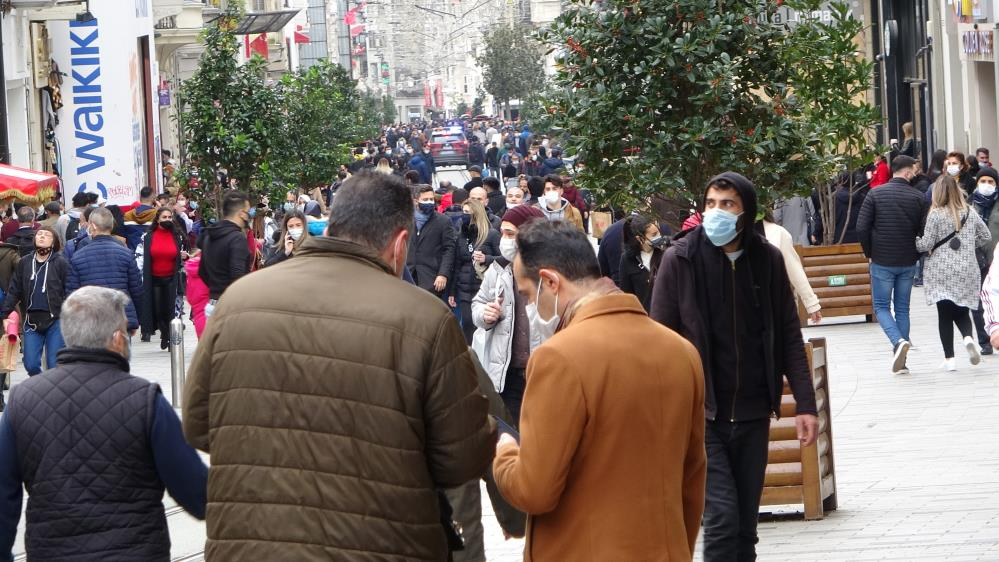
(738, 365)
(556, 215)
(225, 256)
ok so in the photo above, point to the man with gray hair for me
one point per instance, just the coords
(95, 447)
(24, 237)
(360, 405)
(106, 262)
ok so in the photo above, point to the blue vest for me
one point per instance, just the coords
(82, 432)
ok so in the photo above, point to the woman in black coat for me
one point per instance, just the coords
(643, 250)
(476, 247)
(163, 252)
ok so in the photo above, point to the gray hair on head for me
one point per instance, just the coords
(102, 219)
(91, 316)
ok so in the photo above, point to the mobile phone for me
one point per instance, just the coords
(503, 427)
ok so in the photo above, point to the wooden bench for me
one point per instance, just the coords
(803, 476)
(841, 278)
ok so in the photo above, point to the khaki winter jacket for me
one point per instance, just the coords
(331, 421)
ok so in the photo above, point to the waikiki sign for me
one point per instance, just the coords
(88, 114)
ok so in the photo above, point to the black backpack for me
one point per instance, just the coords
(72, 229)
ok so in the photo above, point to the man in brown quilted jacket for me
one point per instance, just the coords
(331, 422)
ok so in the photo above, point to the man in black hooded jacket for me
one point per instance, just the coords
(724, 288)
(225, 251)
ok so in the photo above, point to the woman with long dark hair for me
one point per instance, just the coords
(163, 252)
(294, 231)
(643, 250)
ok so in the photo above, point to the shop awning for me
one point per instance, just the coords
(265, 22)
(26, 185)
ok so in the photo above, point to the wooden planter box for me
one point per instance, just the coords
(803, 476)
(840, 276)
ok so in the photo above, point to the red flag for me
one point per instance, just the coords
(426, 94)
(439, 94)
(257, 46)
(356, 30)
(351, 17)
(300, 36)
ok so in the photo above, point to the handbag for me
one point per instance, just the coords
(955, 243)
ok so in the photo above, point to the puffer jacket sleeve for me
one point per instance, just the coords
(460, 437)
(865, 224)
(73, 279)
(484, 296)
(197, 390)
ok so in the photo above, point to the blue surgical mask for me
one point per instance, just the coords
(721, 226)
(193, 205)
(253, 212)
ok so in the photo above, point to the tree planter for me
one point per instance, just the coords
(841, 278)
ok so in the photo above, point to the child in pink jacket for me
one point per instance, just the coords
(197, 294)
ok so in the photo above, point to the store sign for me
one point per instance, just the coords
(101, 129)
(784, 15)
(978, 44)
(837, 280)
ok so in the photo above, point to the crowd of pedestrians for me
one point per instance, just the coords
(461, 337)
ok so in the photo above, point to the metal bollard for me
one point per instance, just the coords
(177, 359)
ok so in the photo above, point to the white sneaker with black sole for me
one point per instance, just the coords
(901, 351)
(974, 355)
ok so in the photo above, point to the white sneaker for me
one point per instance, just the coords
(898, 359)
(949, 364)
(974, 355)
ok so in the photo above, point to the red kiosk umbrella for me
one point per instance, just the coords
(25, 185)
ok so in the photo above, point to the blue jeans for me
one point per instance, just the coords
(50, 339)
(891, 288)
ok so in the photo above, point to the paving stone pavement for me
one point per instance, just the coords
(917, 456)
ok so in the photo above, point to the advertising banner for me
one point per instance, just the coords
(102, 132)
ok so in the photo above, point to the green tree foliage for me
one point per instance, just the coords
(513, 64)
(831, 79)
(323, 116)
(231, 117)
(389, 114)
(657, 96)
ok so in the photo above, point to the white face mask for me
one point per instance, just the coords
(986, 189)
(508, 248)
(953, 170)
(545, 329)
(295, 233)
(552, 198)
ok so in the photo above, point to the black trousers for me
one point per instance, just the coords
(978, 317)
(737, 464)
(467, 326)
(949, 314)
(164, 304)
(513, 393)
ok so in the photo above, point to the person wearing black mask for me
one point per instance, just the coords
(38, 286)
(643, 250)
(163, 253)
(431, 249)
